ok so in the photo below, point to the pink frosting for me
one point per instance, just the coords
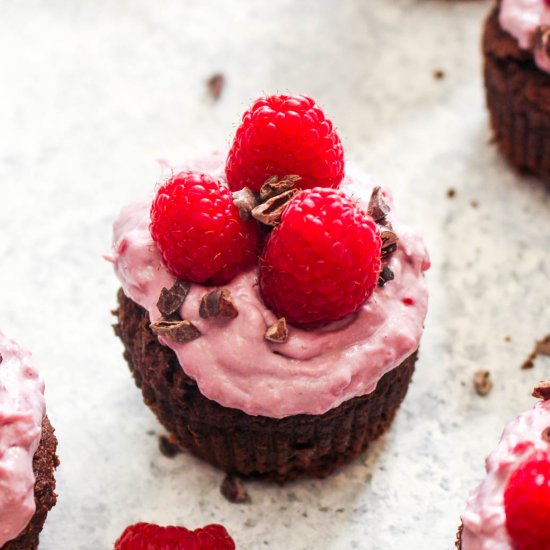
(313, 371)
(521, 19)
(484, 518)
(22, 409)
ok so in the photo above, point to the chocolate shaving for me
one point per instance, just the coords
(277, 332)
(378, 208)
(389, 241)
(546, 434)
(168, 446)
(542, 40)
(542, 347)
(177, 331)
(482, 382)
(170, 300)
(1, 358)
(215, 85)
(542, 390)
(385, 275)
(218, 304)
(274, 186)
(233, 490)
(270, 212)
(245, 200)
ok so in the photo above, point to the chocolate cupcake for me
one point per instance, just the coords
(27, 450)
(510, 508)
(516, 48)
(275, 370)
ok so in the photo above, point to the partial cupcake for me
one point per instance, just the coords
(148, 536)
(510, 509)
(271, 309)
(516, 47)
(27, 450)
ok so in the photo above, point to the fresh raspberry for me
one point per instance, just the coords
(146, 536)
(527, 503)
(322, 261)
(199, 231)
(285, 134)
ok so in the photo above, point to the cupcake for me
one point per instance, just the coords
(516, 48)
(27, 450)
(271, 308)
(510, 509)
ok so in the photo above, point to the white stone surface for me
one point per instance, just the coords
(93, 92)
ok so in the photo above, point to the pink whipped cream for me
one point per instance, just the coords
(22, 409)
(522, 19)
(311, 373)
(484, 518)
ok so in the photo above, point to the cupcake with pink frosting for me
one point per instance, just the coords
(510, 509)
(27, 450)
(271, 307)
(516, 47)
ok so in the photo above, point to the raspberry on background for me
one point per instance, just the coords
(527, 503)
(285, 134)
(147, 536)
(322, 261)
(199, 231)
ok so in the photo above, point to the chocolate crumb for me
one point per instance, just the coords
(1, 358)
(168, 446)
(270, 212)
(233, 490)
(378, 208)
(546, 434)
(389, 241)
(451, 193)
(507, 339)
(542, 347)
(215, 85)
(218, 304)
(277, 332)
(529, 363)
(177, 331)
(542, 390)
(245, 200)
(170, 300)
(474, 204)
(482, 382)
(385, 275)
(274, 186)
(439, 74)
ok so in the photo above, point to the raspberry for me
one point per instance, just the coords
(322, 261)
(199, 231)
(146, 536)
(283, 134)
(527, 503)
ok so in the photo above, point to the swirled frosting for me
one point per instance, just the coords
(523, 19)
(313, 371)
(484, 518)
(22, 409)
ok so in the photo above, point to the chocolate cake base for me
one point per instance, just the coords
(44, 463)
(256, 446)
(518, 99)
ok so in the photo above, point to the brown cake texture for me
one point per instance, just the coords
(518, 99)
(44, 463)
(458, 542)
(253, 446)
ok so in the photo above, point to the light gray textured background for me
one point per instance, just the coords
(93, 92)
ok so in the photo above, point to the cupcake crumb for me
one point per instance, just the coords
(542, 347)
(216, 84)
(439, 74)
(233, 490)
(451, 193)
(168, 447)
(482, 382)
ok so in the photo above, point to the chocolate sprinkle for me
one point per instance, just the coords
(215, 85)
(385, 275)
(168, 446)
(482, 382)
(218, 304)
(277, 332)
(378, 208)
(274, 186)
(542, 390)
(270, 212)
(233, 490)
(170, 300)
(177, 331)
(245, 200)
